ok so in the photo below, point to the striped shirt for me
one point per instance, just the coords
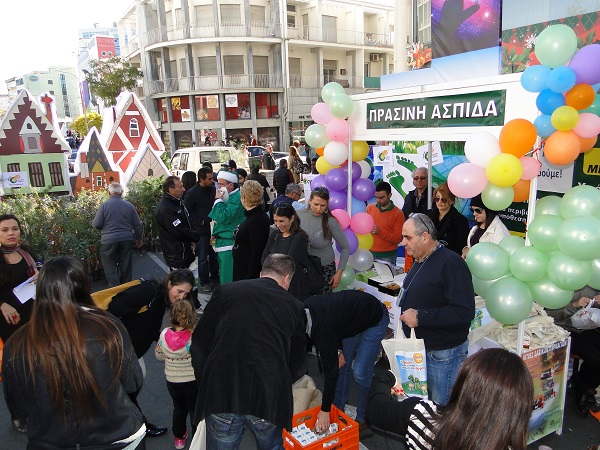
(421, 427)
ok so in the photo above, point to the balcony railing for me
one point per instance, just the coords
(334, 35)
(313, 81)
(214, 83)
(132, 46)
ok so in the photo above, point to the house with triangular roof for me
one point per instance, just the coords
(33, 153)
(146, 163)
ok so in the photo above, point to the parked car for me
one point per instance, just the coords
(192, 158)
(71, 160)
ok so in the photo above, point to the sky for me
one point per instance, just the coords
(36, 34)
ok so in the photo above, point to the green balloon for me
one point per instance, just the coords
(548, 206)
(330, 90)
(556, 45)
(594, 108)
(510, 243)
(528, 264)
(545, 293)
(568, 273)
(543, 232)
(348, 276)
(509, 301)
(595, 278)
(579, 238)
(481, 287)
(487, 261)
(341, 106)
(581, 200)
(315, 136)
(497, 198)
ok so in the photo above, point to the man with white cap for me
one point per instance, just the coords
(227, 213)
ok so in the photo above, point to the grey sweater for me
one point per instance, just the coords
(117, 219)
(562, 316)
(318, 245)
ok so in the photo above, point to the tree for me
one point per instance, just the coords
(93, 120)
(107, 78)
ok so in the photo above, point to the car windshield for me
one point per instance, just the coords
(256, 151)
(213, 156)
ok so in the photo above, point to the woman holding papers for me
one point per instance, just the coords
(16, 266)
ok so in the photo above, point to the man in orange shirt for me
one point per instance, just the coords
(389, 219)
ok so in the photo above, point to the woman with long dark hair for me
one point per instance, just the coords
(488, 226)
(452, 227)
(68, 370)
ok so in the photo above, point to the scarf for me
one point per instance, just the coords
(26, 256)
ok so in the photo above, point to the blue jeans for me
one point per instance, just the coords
(224, 432)
(361, 349)
(442, 368)
(208, 264)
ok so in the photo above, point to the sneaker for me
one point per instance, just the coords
(20, 425)
(180, 442)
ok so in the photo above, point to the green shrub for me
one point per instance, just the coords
(145, 195)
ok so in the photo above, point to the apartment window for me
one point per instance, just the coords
(50, 82)
(173, 68)
(13, 167)
(178, 17)
(291, 21)
(231, 13)
(56, 176)
(257, 13)
(261, 71)
(207, 65)
(51, 92)
(329, 29)
(266, 106)
(183, 68)
(233, 64)
(204, 13)
(134, 130)
(36, 174)
(423, 21)
(329, 70)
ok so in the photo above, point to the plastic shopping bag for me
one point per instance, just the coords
(407, 361)
(199, 439)
(586, 318)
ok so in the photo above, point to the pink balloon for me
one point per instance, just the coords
(320, 113)
(588, 125)
(337, 129)
(531, 167)
(467, 180)
(342, 217)
(361, 223)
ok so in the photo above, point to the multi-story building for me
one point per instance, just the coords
(227, 70)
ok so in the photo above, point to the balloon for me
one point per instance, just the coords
(365, 241)
(365, 168)
(352, 241)
(358, 205)
(521, 190)
(330, 90)
(363, 189)
(581, 200)
(480, 147)
(361, 260)
(561, 79)
(335, 153)
(547, 294)
(528, 264)
(517, 137)
(323, 166)
(595, 278)
(504, 170)
(588, 125)
(533, 79)
(487, 261)
(547, 101)
(549, 205)
(511, 243)
(586, 64)
(481, 287)
(580, 96)
(320, 113)
(356, 170)
(360, 150)
(556, 45)
(348, 276)
(362, 223)
(467, 180)
(337, 129)
(342, 217)
(315, 135)
(317, 182)
(319, 151)
(341, 106)
(594, 108)
(587, 143)
(579, 238)
(531, 167)
(543, 231)
(509, 301)
(562, 147)
(497, 198)
(338, 199)
(336, 179)
(568, 273)
(564, 118)
(543, 125)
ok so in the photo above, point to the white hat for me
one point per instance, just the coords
(229, 176)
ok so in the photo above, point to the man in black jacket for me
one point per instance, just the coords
(199, 202)
(177, 237)
(282, 177)
(268, 163)
(416, 200)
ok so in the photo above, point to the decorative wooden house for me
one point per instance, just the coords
(146, 163)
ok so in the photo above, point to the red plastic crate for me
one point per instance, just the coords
(346, 438)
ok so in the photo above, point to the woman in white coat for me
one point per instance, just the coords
(488, 226)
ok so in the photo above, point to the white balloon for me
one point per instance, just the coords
(335, 153)
(481, 147)
(366, 169)
(361, 260)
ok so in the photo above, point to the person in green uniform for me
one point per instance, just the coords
(227, 213)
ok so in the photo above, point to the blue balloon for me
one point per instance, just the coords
(534, 78)
(561, 79)
(547, 101)
(358, 206)
(543, 125)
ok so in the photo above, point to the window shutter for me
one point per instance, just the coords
(208, 65)
(233, 65)
(231, 13)
(261, 65)
(257, 13)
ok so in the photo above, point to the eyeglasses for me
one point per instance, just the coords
(418, 216)
(441, 200)
(476, 210)
(322, 189)
(419, 178)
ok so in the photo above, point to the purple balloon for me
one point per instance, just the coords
(352, 241)
(363, 189)
(337, 200)
(318, 181)
(356, 171)
(336, 179)
(586, 64)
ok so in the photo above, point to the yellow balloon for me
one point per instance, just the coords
(323, 166)
(360, 150)
(365, 241)
(564, 118)
(504, 170)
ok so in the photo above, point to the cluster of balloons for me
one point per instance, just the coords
(498, 168)
(567, 85)
(564, 256)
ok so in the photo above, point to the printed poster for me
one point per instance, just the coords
(382, 155)
(15, 179)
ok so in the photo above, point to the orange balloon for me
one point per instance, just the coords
(562, 147)
(517, 137)
(580, 96)
(587, 143)
(521, 189)
(320, 151)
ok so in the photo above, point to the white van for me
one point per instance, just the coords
(192, 158)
